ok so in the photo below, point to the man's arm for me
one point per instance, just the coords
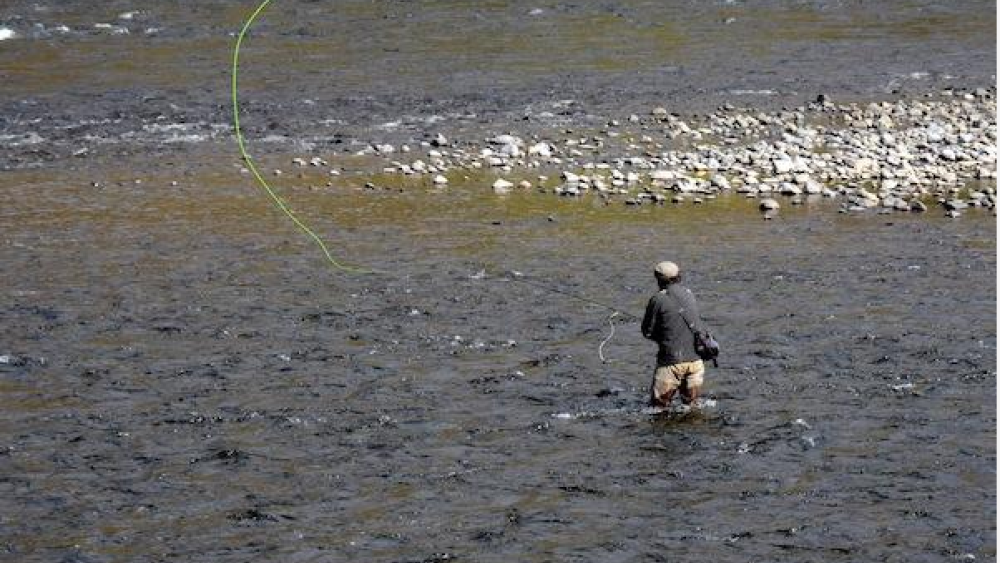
(649, 319)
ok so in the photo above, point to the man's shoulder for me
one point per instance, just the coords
(661, 300)
(676, 296)
(683, 290)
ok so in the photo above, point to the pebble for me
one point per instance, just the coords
(502, 186)
(543, 150)
(769, 204)
(899, 151)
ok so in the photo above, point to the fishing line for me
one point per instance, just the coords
(518, 277)
(278, 201)
(600, 349)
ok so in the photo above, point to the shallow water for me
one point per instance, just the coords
(186, 379)
(325, 72)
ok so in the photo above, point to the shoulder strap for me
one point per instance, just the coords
(680, 309)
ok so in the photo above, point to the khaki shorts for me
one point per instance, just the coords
(669, 378)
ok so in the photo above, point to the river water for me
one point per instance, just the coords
(184, 378)
(188, 380)
(155, 75)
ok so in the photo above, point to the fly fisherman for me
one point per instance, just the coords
(670, 321)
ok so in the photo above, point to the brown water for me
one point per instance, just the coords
(183, 377)
(188, 381)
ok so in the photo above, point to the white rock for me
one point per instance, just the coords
(543, 150)
(440, 180)
(783, 166)
(7, 33)
(864, 194)
(570, 177)
(768, 204)
(507, 140)
(788, 188)
(502, 186)
(510, 150)
(720, 182)
(685, 185)
(862, 165)
(813, 187)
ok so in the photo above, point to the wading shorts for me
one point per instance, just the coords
(670, 378)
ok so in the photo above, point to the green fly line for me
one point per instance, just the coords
(278, 201)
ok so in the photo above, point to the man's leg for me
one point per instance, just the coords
(693, 380)
(665, 384)
(691, 395)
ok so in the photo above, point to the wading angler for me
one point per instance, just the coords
(672, 321)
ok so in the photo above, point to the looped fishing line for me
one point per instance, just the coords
(518, 277)
(600, 349)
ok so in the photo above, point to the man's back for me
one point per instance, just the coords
(665, 324)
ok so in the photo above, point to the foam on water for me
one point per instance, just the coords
(29, 138)
(679, 409)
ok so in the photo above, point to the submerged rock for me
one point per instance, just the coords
(768, 204)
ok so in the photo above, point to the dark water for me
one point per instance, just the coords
(323, 71)
(183, 378)
(190, 382)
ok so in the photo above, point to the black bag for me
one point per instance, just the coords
(706, 347)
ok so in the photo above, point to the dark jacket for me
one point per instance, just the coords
(664, 324)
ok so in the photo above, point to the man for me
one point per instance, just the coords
(670, 321)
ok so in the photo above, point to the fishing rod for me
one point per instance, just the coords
(519, 277)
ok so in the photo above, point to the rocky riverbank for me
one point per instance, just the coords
(908, 155)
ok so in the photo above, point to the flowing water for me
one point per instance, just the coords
(187, 380)
(183, 377)
(155, 75)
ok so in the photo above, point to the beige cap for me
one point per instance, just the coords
(667, 270)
